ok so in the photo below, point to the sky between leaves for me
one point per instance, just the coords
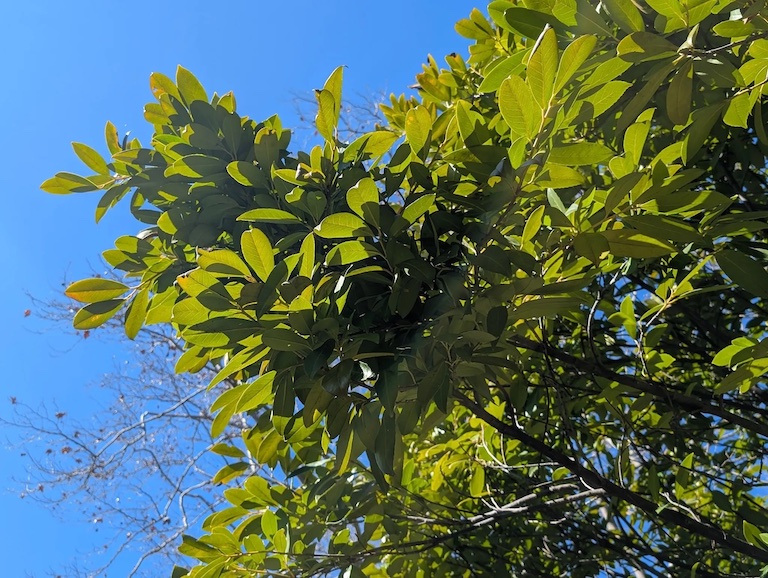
(68, 68)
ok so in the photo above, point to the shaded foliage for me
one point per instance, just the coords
(517, 330)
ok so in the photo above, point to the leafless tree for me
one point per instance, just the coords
(140, 469)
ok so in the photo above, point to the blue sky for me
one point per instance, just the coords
(68, 68)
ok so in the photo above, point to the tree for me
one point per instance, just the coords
(517, 330)
(140, 469)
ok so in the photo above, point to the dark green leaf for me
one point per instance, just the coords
(745, 271)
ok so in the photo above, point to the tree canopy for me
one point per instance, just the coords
(519, 329)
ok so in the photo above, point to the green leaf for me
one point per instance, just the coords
(634, 142)
(349, 252)
(307, 253)
(189, 87)
(222, 262)
(682, 476)
(258, 253)
(247, 174)
(363, 199)
(342, 226)
(632, 110)
(519, 108)
(97, 314)
(625, 14)
(92, 159)
(230, 472)
(196, 165)
(281, 339)
(738, 111)
(269, 216)
(631, 243)
(752, 535)
(575, 54)
(527, 23)
(374, 143)
(333, 85)
(606, 96)
(542, 68)
(110, 135)
(644, 46)
(680, 93)
(416, 208)
(95, 289)
(477, 481)
(326, 117)
(668, 8)
(593, 246)
(745, 271)
(533, 224)
(548, 307)
(585, 153)
(700, 129)
(734, 28)
(255, 393)
(661, 227)
(418, 124)
(66, 183)
(192, 360)
(589, 21)
(238, 362)
(136, 313)
(509, 66)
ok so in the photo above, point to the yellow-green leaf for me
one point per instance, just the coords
(342, 226)
(96, 289)
(136, 313)
(573, 57)
(189, 87)
(542, 68)
(92, 159)
(350, 252)
(585, 153)
(418, 124)
(625, 14)
(97, 314)
(258, 253)
(519, 109)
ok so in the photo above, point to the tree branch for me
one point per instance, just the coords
(595, 480)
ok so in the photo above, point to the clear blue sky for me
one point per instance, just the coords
(68, 68)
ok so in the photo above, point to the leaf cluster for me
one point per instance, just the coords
(517, 330)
